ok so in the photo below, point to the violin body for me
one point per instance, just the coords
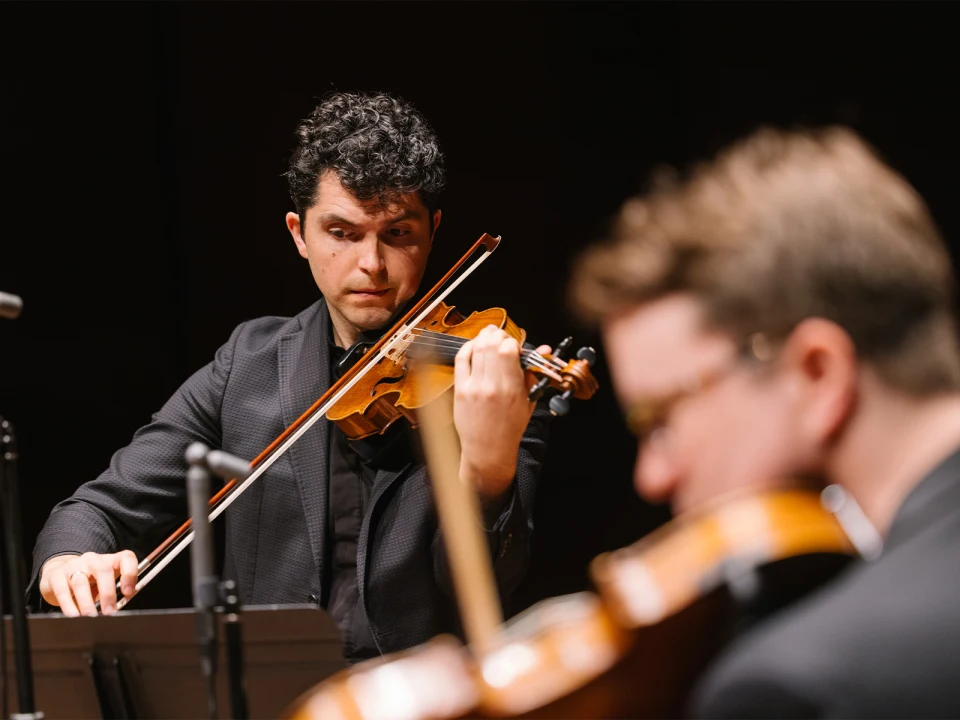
(644, 673)
(433, 681)
(385, 394)
(549, 653)
(687, 589)
(663, 608)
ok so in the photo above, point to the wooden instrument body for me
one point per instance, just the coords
(385, 393)
(663, 608)
(686, 589)
(433, 681)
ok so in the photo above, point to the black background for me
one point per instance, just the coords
(142, 146)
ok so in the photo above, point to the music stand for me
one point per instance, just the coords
(145, 664)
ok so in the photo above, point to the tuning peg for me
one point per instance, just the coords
(562, 348)
(536, 392)
(588, 354)
(560, 404)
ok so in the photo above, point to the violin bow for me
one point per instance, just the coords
(458, 508)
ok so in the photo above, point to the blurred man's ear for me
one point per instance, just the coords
(824, 363)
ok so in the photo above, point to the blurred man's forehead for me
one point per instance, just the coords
(652, 345)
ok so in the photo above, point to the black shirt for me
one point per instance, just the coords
(352, 472)
(349, 483)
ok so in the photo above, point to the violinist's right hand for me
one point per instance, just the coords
(76, 582)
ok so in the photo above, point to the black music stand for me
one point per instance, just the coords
(145, 664)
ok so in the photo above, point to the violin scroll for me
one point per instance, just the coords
(572, 378)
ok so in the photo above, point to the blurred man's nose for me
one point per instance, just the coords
(656, 475)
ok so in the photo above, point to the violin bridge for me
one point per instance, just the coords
(398, 350)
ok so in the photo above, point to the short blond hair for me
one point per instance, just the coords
(784, 226)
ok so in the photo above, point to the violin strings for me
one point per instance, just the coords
(435, 340)
(528, 358)
(438, 340)
(559, 365)
(448, 349)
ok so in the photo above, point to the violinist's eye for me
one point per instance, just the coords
(338, 233)
(399, 232)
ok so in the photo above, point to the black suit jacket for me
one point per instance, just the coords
(268, 373)
(882, 641)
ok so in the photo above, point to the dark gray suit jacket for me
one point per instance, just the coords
(882, 641)
(268, 373)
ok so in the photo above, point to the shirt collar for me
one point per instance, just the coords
(936, 496)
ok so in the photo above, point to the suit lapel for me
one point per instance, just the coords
(384, 479)
(304, 376)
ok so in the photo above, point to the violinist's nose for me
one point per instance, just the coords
(370, 255)
(655, 474)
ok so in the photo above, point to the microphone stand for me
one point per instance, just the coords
(10, 505)
(207, 589)
(204, 579)
(10, 307)
(233, 629)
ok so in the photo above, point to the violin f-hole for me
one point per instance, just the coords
(388, 381)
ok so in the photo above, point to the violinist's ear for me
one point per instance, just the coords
(293, 225)
(824, 359)
(436, 223)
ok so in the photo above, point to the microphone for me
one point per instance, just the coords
(10, 306)
(228, 466)
(206, 584)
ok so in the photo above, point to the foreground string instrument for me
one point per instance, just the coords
(663, 608)
(375, 392)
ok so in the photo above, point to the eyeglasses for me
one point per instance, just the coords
(647, 418)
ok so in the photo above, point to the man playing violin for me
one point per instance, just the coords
(353, 530)
(788, 312)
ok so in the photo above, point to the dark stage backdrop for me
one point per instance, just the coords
(142, 146)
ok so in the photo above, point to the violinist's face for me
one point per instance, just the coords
(737, 433)
(367, 258)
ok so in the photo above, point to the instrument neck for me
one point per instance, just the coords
(442, 349)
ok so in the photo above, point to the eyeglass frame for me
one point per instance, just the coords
(645, 417)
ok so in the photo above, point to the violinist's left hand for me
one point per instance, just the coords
(491, 410)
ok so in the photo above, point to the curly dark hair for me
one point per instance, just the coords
(378, 145)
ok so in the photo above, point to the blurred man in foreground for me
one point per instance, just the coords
(788, 312)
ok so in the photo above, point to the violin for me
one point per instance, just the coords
(662, 609)
(384, 395)
(432, 681)
(375, 392)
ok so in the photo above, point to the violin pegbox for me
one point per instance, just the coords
(570, 378)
